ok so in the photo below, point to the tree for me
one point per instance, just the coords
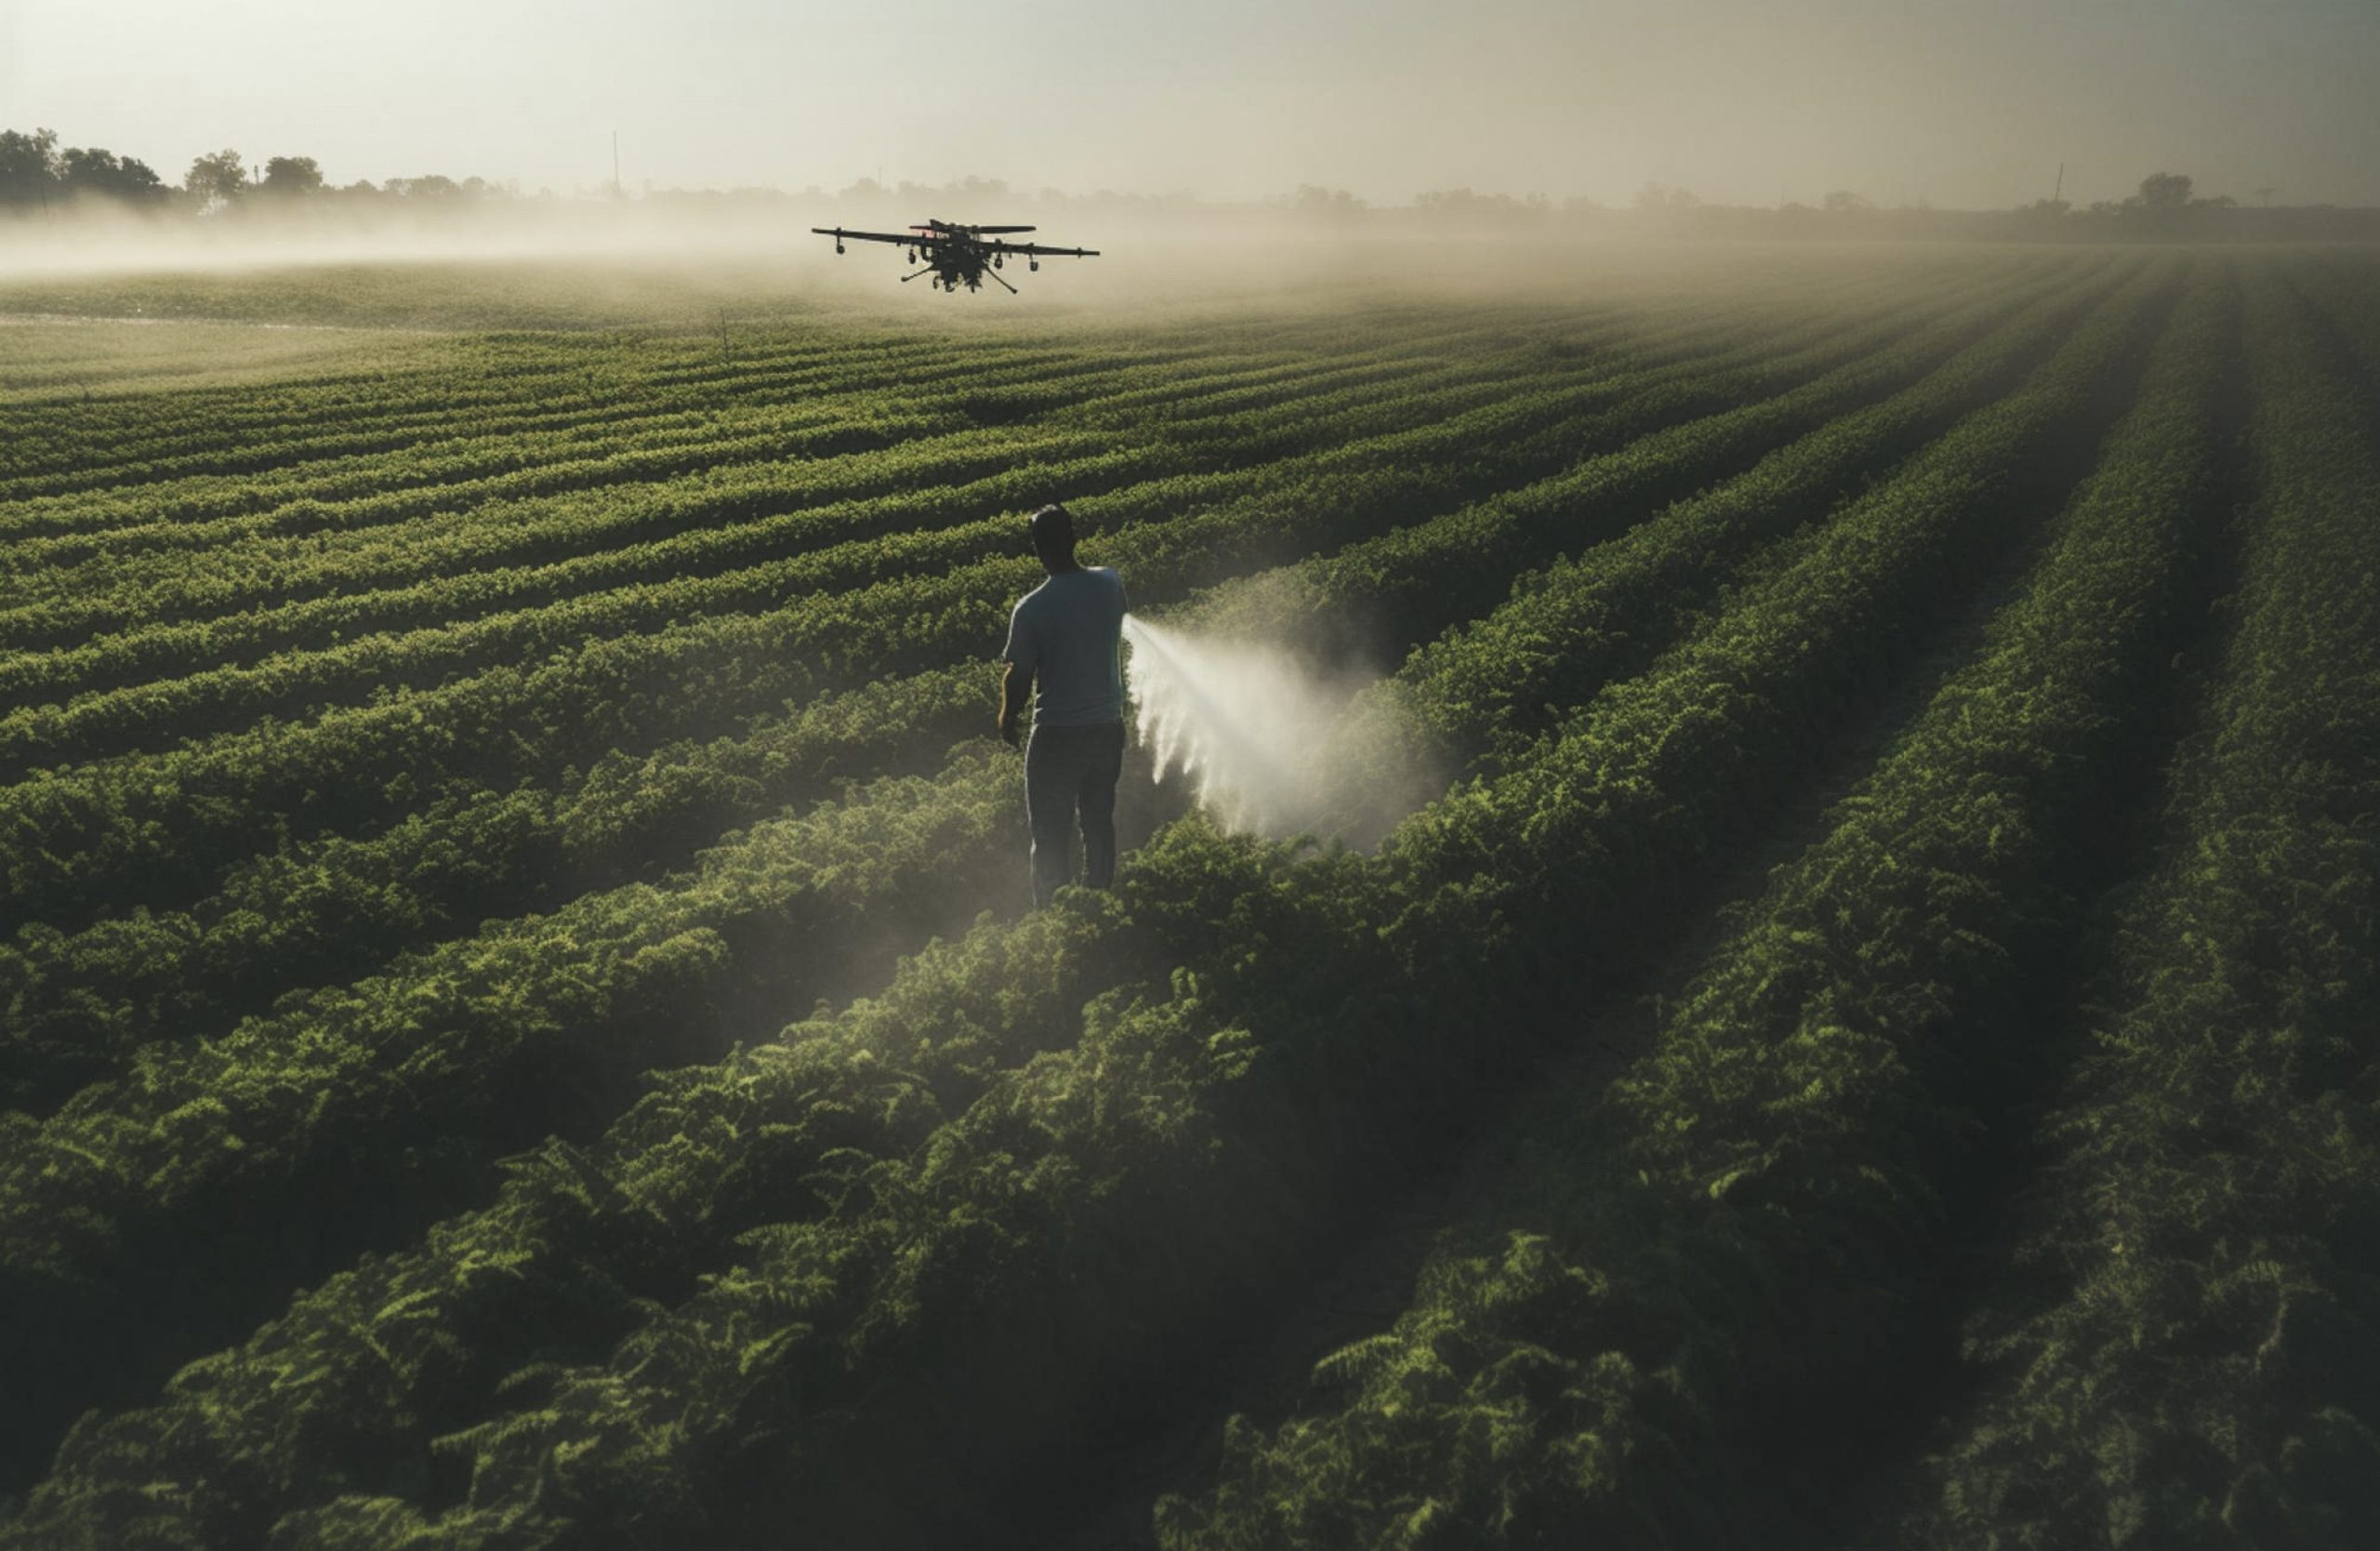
(289, 177)
(217, 179)
(1312, 199)
(90, 170)
(1467, 204)
(1842, 201)
(432, 186)
(27, 165)
(2165, 190)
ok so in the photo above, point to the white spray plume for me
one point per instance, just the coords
(1268, 741)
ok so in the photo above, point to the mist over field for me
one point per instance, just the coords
(1741, 103)
(1321, 140)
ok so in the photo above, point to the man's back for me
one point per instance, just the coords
(1065, 640)
(1067, 634)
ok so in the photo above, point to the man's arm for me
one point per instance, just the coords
(1016, 692)
(1018, 659)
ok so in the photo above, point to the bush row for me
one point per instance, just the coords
(75, 837)
(2185, 1348)
(296, 916)
(1027, 1274)
(1159, 1132)
(1713, 1271)
(837, 484)
(270, 438)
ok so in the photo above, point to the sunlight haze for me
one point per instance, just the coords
(1963, 106)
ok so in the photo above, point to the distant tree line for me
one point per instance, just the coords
(2164, 207)
(34, 171)
(37, 174)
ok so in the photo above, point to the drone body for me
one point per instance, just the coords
(955, 256)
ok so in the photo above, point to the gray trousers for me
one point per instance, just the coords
(1070, 771)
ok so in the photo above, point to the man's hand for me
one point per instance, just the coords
(1016, 692)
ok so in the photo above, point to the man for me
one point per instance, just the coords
(1066, 634)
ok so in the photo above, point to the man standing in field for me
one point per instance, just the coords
(1067, 633)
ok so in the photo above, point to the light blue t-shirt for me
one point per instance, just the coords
(1067, 633)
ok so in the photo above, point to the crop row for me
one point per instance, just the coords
(404, 642)
(509, 381)
(939, 378)
(1457, 917)
(532, 386)
(212, 440)
(456, 473)
(797, 891)
(417, 1083)
(87, 999)
(211, 522)
(1591, 618)
(2342, 289)
(451, 412)
(345, 552)
(288, 598)
(1048, 1250)
(1071, 1224)
(181, 544)
(1701, 1274)
(214, 449)
(347, 521)
(63, 356)
(2187, 1345)
(269, 1045)
(46, 441)
(699, 543)
(165, 814)
(1100, 1200)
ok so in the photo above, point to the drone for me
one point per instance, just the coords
(953, 256)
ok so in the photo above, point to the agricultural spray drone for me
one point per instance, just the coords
(959, 255)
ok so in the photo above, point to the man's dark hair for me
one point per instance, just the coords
(1054, 533)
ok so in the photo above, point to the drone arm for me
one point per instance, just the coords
(840, 235)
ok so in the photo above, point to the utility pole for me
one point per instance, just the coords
(616, 165)
(2059, 197)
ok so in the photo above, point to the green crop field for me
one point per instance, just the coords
(521, 1024)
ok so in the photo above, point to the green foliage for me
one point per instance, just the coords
(1730, 1236)
(2188, 1345)
(409, 875)
(884, 1275)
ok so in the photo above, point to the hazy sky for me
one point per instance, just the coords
(1963, 102)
